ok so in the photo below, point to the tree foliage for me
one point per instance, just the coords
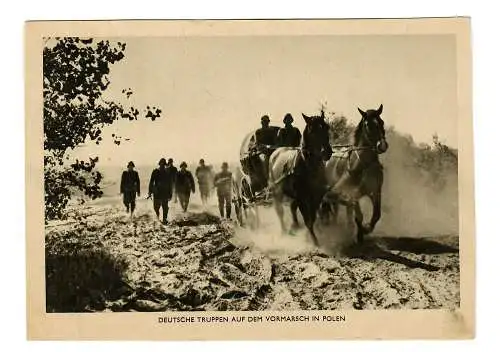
(340, 128)
(75, 76)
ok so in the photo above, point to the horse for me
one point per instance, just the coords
(357, 172)
(299, 173)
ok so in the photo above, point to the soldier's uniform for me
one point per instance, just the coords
(223, 182)
(289, 136)
(184, 185)
(203, 174)
(129, 187)
(161, 186)
(265, 135)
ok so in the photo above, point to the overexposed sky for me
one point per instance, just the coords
(213, 90)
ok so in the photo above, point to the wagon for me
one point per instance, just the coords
(251, 190)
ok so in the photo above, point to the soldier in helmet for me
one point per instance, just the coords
(173, 169)
(289, 136)
(161, 186)
(204, 175)
(265, 135)
(184, 185)
(223, 182)
(265, 141)
(129, 187)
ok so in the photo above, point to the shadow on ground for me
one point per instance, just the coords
(381, 247)
(418, 245)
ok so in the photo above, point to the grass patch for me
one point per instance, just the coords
(81, 275)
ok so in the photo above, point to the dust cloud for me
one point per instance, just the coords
(267, 236)
(420, 190)
(269, 239)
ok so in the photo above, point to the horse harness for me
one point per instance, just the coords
(354, 149)
(288, 169)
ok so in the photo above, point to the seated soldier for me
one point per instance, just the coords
(289, 136)
(265, 137)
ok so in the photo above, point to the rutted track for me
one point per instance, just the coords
(196, 263)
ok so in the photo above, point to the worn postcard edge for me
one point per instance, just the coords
(368, 324)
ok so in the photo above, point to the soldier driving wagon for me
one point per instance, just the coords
(252, 182)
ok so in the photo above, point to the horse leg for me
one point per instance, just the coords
(308, 220)
(293, 207)
(330, 206)
(359, 222)
(335, 212)
(377, 210)
(278, 206)
(324, 212)
(349, 217)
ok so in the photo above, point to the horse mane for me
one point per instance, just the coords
(357, 133)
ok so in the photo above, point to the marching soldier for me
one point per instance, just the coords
(161, 186)
(204, 175)
(223, 182)
(184, 185)
(130, 186)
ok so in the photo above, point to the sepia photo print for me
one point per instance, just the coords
(279, 168)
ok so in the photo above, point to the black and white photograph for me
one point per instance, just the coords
(263, 173)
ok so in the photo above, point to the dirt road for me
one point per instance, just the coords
(201, 263)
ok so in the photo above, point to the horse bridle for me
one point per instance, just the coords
(373, 144)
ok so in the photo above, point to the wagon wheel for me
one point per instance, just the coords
(238, 207)
(238, 201)
(249, 210)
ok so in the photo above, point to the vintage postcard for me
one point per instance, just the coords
(250, 180)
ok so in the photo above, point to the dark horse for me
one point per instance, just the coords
(357, 172)
(299, 173)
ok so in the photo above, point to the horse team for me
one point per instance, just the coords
(304, 168)
(317, 180)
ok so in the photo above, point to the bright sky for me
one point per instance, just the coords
(213, 90)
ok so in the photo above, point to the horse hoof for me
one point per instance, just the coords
(367, 229)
